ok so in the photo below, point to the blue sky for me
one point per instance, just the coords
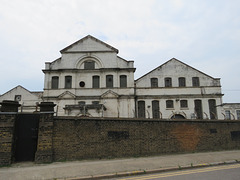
(204, 34)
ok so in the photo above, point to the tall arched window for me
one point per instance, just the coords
(141, 109)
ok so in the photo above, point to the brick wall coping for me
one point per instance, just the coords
(143, 120)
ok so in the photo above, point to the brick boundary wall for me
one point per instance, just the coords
(79, 138)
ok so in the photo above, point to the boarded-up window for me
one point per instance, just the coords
(212, 108)
(68, 82)
(141, 109)
(154, 82)
(89, 65)
(155, 109)
(228, 114)
(195, 82)
(198, 109)
(109, 81)
(184, 103)
(235, 135)
(182, 82)
(95, 82)
(169, 104)
(123, 81)
(118, 135)
(168, 82)
(55, 80)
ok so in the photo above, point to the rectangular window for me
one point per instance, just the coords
(89, 65)
(169, 104)
(198, 109)
(228, 115)
(95, 81)
(154, 82)
(68, 82)
(168, 82)
(141, 109)
(55, 80)
(195, 82)
(184, 103)
(155, 109)
(95, 102)
(123, 81)
(109, 81)
(81, 103)
(238, 114)
(182, 82)
(212, 108)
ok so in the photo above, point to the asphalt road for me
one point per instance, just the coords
(224, 172)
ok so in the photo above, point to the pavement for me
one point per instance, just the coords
(112, 168)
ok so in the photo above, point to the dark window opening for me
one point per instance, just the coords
(182, 82)
(238, 114)
(118, 135)
(228, 114)
(109, 81)
(141, 109)
(123, 81)
(155, 109)
(68, 82)
(55, 80)
(154, 82)
(212, 108)
(195, 82)
(169, 104)
(213, 131)
(95, 102)
(183, 103)
(235, 135)
(168, 82)
(198, 109)
(82, 84)
(95, 82)
(81, 103)
(89, 65)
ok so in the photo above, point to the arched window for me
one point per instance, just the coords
(54, 83)
(168, 82)
(123, 81)
(212, 108)
(182, 82)
(155, 109)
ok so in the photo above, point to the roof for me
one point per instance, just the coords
(89, 36)
(174, 59)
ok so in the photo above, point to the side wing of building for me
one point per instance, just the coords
(177, 90)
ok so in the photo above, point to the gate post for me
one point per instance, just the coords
(8, 116)
(44, 152)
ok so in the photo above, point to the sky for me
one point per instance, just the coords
(204, 34)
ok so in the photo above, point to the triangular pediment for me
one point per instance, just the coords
(109, 94)
(89, 44)
(66, 95)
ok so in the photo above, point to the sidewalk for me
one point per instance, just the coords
(109, 168)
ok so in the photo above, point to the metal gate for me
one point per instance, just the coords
(26, 136)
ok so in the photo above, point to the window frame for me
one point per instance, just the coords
(96, 81)
(55, 82)
(68, 85)
(195, 82)
(182, 102)
(108, 83)
(169, 104)
(89, 64)
(168, 82)
(154, 82)
(182, 82)
(123, 81)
